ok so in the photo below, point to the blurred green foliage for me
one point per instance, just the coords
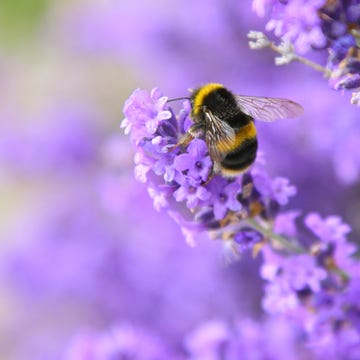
(19, 19)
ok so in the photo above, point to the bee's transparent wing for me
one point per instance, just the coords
(216, 156)
(267, 108)
(218, 132)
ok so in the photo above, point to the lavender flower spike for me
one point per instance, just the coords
(218, 206)
(316, 286)
(315, 25)
(296, 20)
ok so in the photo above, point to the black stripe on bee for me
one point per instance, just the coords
(242, 157)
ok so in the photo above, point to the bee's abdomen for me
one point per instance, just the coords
(240, 158)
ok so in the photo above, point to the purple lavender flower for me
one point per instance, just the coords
(287, 276)
(180, 175)
(247, 238)
(124, 341)
(241, 212)
(339, 22)
(316, 24)
(348, 82)
(282, 190)
(326, 280)
(295, 20)
(213, 339)
(196, 162)
(246, 339)
(342, 69)
(191, 191)
(224, 197)
(143, 113)
(207, 341)
(331, 230)
(285, 223)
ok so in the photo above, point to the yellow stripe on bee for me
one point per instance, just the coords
(246, 132)
(202, 93)
(231, 172)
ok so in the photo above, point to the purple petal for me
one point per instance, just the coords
(202, 193)
(197, 148)
(219, 210)
(181, 193)
(183, 162)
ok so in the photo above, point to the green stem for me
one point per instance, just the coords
(304, 61)
(278, 238)
(343, 275)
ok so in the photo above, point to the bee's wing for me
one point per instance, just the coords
(267, 108)
(218, 132)
(216, 156)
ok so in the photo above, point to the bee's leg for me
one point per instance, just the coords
(184, 141)
(195, 131)
(212, 173)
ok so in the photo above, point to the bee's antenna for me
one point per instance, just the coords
(180, 98)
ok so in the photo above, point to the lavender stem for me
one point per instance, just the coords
(276, 237)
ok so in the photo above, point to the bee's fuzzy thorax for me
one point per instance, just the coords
(200, 94)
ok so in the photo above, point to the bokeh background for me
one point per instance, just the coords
(83, 252)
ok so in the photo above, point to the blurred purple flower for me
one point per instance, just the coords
(245, 339)
(285, 223)
(282, 190)
(69, 140)
(209, 340)
(124, 341)
(295, 20)
(67, 235)
(292, 274)
(324, 281)
(330, 230)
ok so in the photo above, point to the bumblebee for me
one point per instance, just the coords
(226, 122)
